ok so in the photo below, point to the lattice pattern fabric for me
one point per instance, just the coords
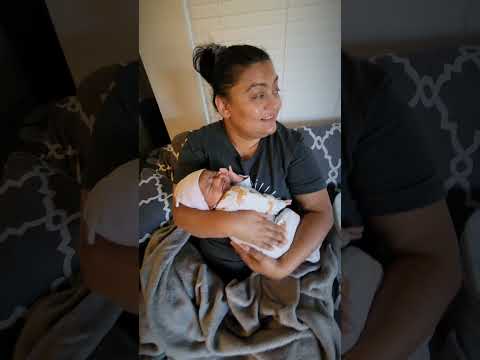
(38, 233)
(440, 89)
(40, 188)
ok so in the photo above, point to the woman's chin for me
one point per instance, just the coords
(269, 126)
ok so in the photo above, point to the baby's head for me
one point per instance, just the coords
(213, 184)
(203, 189)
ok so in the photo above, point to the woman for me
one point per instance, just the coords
(249, 138)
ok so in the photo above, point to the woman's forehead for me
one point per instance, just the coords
(258, 73)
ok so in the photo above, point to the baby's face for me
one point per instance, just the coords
(213, 185)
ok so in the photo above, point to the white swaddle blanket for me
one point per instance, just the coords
(243, 197)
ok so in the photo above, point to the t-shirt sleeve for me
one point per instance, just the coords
(191, 158)
(393, 170)
(304, 174)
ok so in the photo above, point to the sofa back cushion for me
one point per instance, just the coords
(440, 89)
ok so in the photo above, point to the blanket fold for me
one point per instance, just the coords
(189, 313)
(69, 324)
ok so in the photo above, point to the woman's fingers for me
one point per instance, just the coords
(241, 252)
(268, 245)
(273, 237)
(279, 232)
(254, 253)
(245, 252)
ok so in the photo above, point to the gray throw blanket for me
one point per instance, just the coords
(189, 313)
(69, 324)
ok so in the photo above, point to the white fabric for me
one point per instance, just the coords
(243, 197)
(292, 220)
(246, 198)
(188, 193)
(111, 208)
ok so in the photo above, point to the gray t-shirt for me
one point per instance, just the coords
(282, 166)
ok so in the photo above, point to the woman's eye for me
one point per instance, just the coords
(259, 96)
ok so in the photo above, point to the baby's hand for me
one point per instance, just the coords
(234, 178)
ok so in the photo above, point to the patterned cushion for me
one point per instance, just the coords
(325, 142)
(155, 196)
(155, 190)
(38, 233)
(40, 189)
(60, 132)
(439, 88)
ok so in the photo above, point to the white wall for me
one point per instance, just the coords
(166, 52)
(94, 33)
(302, 36)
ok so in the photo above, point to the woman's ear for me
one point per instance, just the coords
(222, 107)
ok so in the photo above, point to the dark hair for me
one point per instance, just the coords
(221, 66)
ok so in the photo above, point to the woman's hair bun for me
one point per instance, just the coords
(204, 60)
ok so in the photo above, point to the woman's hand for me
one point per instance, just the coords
(257, 229)
(260, 263)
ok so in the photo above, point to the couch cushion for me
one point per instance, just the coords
(325, 142)
(440, 89)
(155, 191)
(38, 233)
(60, 132)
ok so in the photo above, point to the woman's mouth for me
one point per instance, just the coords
(269, 119)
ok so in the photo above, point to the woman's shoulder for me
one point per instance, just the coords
(205, 132)
(289, 137)
(204, 135)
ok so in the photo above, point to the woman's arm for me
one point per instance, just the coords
(249, 226)
(110, 269)
(314, 227)
(203, 224)
(311, 232)
(419, 283)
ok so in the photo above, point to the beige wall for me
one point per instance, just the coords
(94, 33)
(166, 51)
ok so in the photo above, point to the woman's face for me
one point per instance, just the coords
(254, 102)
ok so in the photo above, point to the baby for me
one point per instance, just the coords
(227, 191)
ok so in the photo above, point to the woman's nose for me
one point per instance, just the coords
(273, 105)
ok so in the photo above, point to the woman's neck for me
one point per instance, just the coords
(245, 147)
